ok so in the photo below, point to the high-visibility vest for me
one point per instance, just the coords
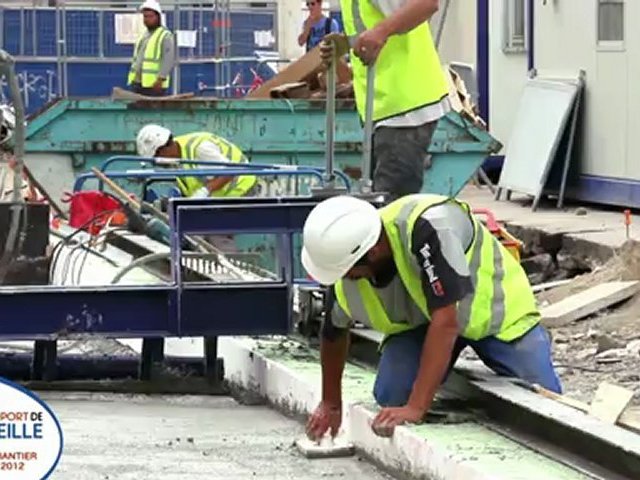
(189, 143)
(408, 73)
(501, 305)
(151, 61)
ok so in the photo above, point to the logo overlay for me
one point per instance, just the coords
(30, 434)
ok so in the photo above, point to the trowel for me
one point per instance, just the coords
(327, 447)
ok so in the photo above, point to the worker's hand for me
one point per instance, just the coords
(157, 86)
(388, 418)
(369, 43)
(202, 192)
(325, 417)
(334, 45)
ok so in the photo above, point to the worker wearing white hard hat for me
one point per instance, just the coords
(432, 278)
(157, 141)
(154, 54)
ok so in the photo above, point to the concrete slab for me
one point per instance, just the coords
(592, 229)
(289, 377)
(138, 437)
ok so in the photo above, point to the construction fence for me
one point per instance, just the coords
(79, 50)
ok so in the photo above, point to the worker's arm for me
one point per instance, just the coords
(334, 344)
(168, 60)
(306, 31)
(210, 152)
(401, 16)
(439, 242)
(440, 238)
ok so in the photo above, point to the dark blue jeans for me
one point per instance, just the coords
(528, 358)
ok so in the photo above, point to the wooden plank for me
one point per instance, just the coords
(291, 90)
(609, 402)
(119, 93)
(629, 419)
(298, 71)
(587, 302)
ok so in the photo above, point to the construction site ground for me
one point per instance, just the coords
(592, 240)
(110, 436)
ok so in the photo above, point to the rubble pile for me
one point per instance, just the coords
(605, 346)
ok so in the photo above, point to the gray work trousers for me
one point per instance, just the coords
(400, 159)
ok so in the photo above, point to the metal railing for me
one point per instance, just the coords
(53, 46)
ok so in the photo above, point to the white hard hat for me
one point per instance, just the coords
(337, 233)
(151, 138)
(7, 122)
(151, 5)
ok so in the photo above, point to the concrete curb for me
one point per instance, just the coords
(405, 452)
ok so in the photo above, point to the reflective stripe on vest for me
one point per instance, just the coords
(405, 61)
(502, 303)
(151, 61)
(237, 187)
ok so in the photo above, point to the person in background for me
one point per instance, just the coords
(154, 55)
(410, 91)
(157, 141)
(316, 26)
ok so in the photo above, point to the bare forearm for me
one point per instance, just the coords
(333, 356)
(304, 36)
(409, 16)
(217, 183)
(434, 361)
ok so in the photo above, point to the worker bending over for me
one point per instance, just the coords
(432, 278)
(411, 92)
(154, 55)
(158, 141)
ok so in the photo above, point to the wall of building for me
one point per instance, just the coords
(458, 40)
(507, 76)
(612, 98)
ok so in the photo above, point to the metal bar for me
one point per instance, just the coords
(441, 22)
(7, 66)
(58, 50)
(45, 313)
(367, 144)
(101, 33)
(171, 175)
(22, 42)
(1, 27)
(330, 125)
(65, 70)
(196, 217)
(34, 30)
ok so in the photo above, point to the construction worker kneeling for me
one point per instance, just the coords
(433, 279)
(157, 141)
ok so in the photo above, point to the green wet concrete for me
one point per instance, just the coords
(467, 443)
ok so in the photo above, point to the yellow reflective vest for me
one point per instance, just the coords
(408, 73)
(189, 143)
(151, 61)
(501, 305)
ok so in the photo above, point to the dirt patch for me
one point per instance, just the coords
(606, 346)
(624, 265)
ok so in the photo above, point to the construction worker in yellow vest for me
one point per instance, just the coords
(411, 92)
(158, 141)
(432, 278)
(154, 54)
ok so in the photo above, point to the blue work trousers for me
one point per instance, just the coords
(528, 358)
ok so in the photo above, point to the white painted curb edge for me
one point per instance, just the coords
(405, 451)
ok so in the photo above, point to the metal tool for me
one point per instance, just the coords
(366, 181)
(329, 188)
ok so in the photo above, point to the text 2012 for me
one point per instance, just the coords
(11, 466)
